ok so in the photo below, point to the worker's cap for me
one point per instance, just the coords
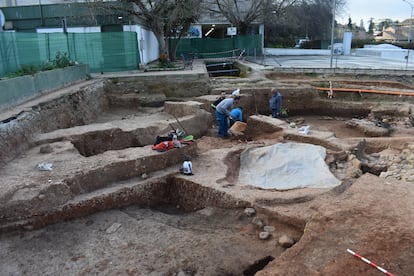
(236, 92)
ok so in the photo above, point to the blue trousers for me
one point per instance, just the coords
(275, 113)
(223, 124)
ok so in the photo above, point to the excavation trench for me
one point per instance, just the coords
(204, 230)
(130, 211)
(98, 142)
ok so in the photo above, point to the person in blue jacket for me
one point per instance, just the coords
(275, 103)
(236, 115)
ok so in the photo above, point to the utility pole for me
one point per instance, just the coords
(41, 13)
(411, 20)
(333, 30)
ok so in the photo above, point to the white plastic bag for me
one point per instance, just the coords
(304, 130)
(45, 166)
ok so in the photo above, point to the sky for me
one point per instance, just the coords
(376, 9)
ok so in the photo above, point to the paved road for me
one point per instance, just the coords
(362, 62)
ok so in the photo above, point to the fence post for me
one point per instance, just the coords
(254, 54)
(264, 58)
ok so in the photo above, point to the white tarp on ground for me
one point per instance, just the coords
(286, 166)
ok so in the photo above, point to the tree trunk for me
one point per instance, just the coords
(162, 45)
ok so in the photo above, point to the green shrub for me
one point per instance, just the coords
(62, 60)
(284, 112)
(26, 69)
(324, 84)
(47, 65)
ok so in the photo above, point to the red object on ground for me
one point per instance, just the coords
(163, 146)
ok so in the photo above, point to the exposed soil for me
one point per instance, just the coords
(139, 241)
(127, 210)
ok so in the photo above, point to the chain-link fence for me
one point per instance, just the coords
(210, 48)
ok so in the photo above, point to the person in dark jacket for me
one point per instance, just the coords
(218, 100)
(275, 103)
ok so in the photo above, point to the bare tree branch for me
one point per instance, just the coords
(240, 13)
(167, 18)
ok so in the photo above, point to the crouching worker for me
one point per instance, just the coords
(236, 115)
(187, 167)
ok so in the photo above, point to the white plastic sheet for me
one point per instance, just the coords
(286, 166)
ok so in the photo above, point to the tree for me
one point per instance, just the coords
(371, 26)
(362, 25)
(167, 19)
(240, 13)
(287, 20)
(385, 24)
(349, 23)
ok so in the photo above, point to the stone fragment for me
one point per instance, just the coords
(286, 241)
(46, 149)
(268, 228)
(356, 163)
(113, 228)
(383, 174)
(250, 212)
(208, 211)
(264, 235)
(258, 222)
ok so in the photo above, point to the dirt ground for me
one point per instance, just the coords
(214, 232)
(138, 241)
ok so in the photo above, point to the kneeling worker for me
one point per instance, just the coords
(236, 115)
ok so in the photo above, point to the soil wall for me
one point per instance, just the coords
(73, 109)
(172, 86)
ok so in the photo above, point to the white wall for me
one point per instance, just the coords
(347, 43)
(15, 3)
(396, 54)
(296, 52)
(148, 44)
(70, 30)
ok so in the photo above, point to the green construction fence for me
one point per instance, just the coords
(108, 51)
(103, 52)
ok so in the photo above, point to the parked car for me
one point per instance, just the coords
(300, 42)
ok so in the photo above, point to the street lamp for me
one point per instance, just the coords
(411, 20)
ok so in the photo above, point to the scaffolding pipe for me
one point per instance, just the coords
(356, 90)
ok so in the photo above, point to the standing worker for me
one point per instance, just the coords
(223, 113)
(275, 102)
